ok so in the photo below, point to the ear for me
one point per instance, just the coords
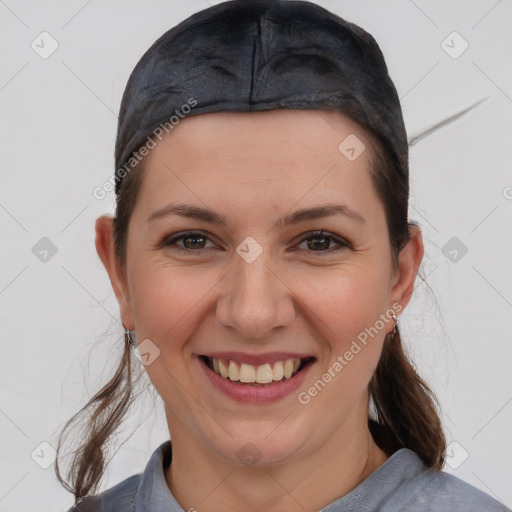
(409, 260)
(106, 252)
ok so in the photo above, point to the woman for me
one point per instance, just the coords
(261, 255)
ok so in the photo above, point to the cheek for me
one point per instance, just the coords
(347, 306)
(166, 294)
(354, 337)
(344, 302)
(167, 306)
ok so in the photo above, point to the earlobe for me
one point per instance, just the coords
(409, 260)
(106, 252)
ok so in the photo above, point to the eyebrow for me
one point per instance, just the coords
(305, 214)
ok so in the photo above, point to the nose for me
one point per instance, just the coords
(255, 299)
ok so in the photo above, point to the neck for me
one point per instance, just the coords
(199, 479)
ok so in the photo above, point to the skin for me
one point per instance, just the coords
(254, 168)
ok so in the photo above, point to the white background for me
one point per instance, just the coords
(59, 319)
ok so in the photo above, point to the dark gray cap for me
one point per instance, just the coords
(255, 55)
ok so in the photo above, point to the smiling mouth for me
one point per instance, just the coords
(267, 374)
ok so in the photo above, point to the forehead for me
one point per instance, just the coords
(254, 158)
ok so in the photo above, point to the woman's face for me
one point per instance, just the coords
(255, 285)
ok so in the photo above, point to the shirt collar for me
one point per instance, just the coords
(153, 494)
(378, 487)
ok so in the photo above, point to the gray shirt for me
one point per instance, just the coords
(401, 484)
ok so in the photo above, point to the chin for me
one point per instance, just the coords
(260, 449)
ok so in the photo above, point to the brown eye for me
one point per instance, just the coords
(193, 241)
(321, 241)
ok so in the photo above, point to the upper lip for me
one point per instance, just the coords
(256, 359)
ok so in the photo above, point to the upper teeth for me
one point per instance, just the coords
(262, 374)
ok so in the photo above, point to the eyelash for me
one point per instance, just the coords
(314, 234)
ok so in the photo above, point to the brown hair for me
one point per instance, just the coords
(404, 405)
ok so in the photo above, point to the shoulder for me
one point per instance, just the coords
(120, 497)
(457, 495)
(439, 491)
(136, 492)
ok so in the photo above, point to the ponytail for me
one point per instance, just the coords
(405, 406)
(104, 412)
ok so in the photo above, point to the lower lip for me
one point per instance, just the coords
(255, 394)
